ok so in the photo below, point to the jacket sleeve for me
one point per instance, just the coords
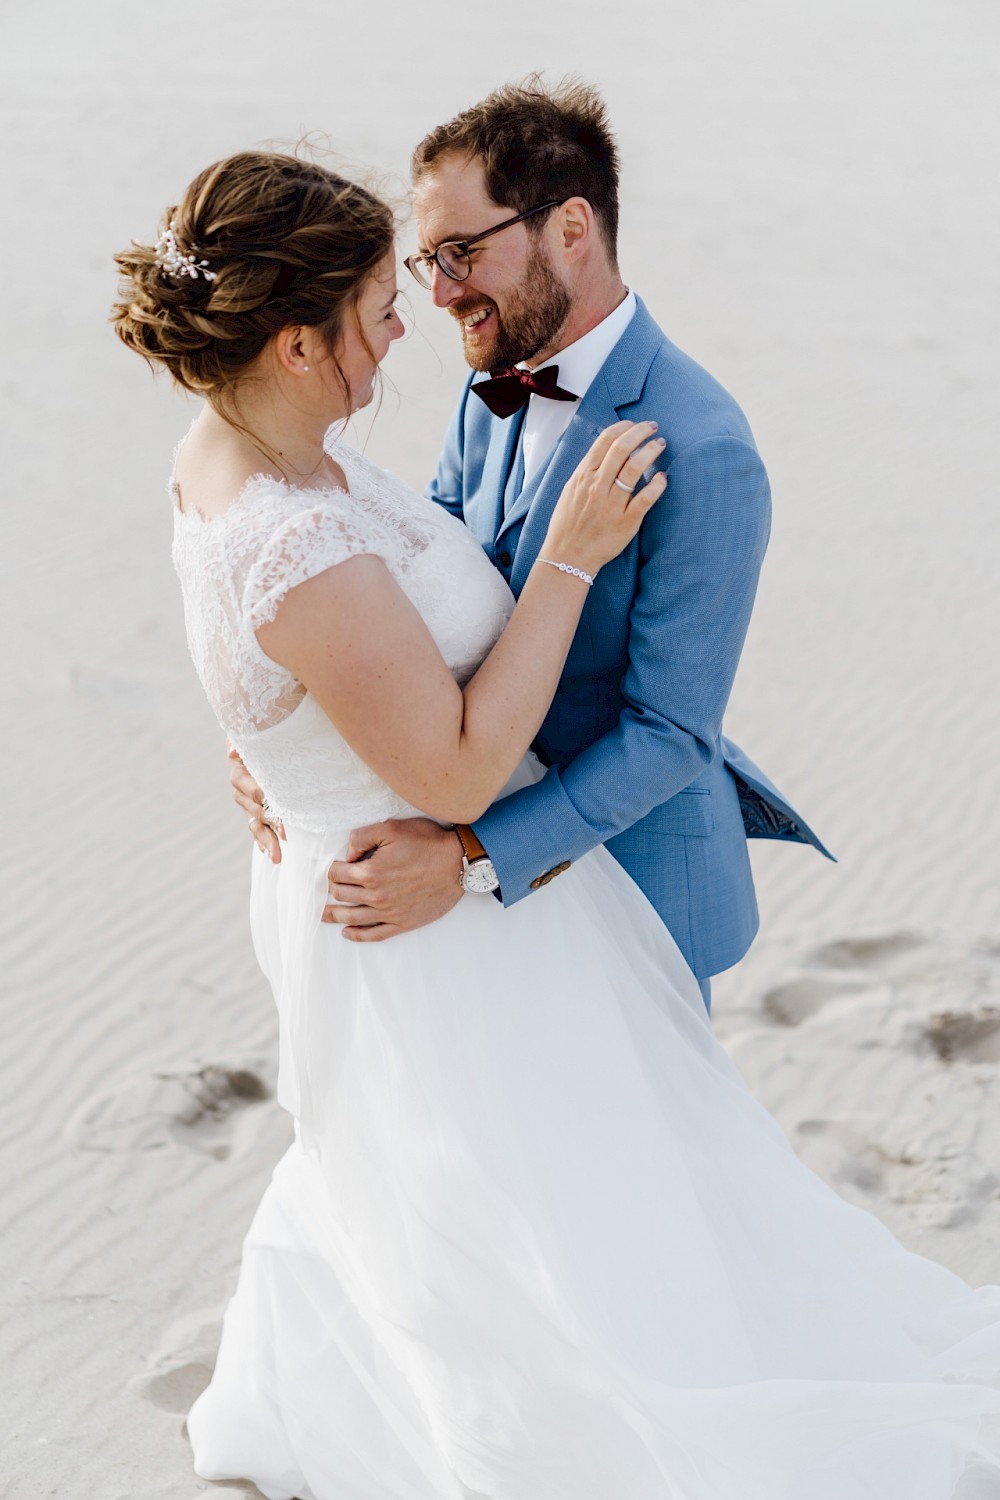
(700, 553)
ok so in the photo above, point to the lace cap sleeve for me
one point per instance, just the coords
(303, 546)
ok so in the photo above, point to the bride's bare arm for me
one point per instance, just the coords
(353, 638)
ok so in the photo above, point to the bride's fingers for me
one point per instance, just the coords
(644, 499)
(614, 445)
(622, 460)
(266, 840)
(601, 445)
(627, 437)
(642, 459)
(248, 797)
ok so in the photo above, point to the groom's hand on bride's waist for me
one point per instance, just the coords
(397, 876)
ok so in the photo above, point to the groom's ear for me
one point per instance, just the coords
(576, 228)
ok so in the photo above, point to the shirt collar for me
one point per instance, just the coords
(579, 362)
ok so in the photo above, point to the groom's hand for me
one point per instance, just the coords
(397, 876)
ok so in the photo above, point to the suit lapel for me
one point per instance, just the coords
(617, 385)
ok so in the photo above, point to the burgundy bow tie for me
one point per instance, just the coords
(511, 389)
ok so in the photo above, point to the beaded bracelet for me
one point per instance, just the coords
(565, 568)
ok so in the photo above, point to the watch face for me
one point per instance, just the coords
(480, 877)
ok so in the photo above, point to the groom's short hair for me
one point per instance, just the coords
(536, 143)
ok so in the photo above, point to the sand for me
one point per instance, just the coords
(808, 209)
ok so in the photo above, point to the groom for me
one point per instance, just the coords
(517, 218)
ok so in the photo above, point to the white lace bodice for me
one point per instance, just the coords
(237, 567)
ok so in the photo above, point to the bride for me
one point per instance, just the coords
(534, 1240)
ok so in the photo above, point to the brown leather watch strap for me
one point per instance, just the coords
(473, 848)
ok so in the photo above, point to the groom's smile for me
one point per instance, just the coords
(478, 320)
(472, 322)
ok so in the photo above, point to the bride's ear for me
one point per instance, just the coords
(294, 348)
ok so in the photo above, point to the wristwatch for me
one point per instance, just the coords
(478, 876)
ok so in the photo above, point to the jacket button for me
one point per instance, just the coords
(504, 559)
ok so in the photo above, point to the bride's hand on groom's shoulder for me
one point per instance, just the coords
(249, 797)
(397, 876)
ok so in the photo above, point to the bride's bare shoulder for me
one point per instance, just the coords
(211, 470)
(215, 463)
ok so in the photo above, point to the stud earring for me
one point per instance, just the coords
(305, 369)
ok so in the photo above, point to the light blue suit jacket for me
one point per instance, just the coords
(633, 740)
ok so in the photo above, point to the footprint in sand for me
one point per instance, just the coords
(969, 1036)
(197, 1108)
(867, 953)
(902, 1160)
(176, 1390)
(852, 1159)
(182, 1366)
(903, 1082)
(966, 1029)
(794, 1001)
(836, 971)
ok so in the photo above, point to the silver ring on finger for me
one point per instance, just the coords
(252, 821)
(628, 488)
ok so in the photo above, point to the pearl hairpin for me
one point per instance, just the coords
(173, 262)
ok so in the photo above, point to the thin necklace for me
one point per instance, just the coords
(302, 474)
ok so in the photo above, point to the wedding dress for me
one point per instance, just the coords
(535, 1240)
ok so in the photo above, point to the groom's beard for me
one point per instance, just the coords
(532, 319)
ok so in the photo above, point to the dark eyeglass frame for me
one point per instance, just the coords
(415, 264)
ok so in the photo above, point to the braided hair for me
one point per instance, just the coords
(258, 242)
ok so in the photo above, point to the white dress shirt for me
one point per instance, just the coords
(545, 421)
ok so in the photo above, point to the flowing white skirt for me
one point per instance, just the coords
(536, 1240)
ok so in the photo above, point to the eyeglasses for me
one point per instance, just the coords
(452, 258)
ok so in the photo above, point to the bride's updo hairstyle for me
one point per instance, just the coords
(258, 242)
